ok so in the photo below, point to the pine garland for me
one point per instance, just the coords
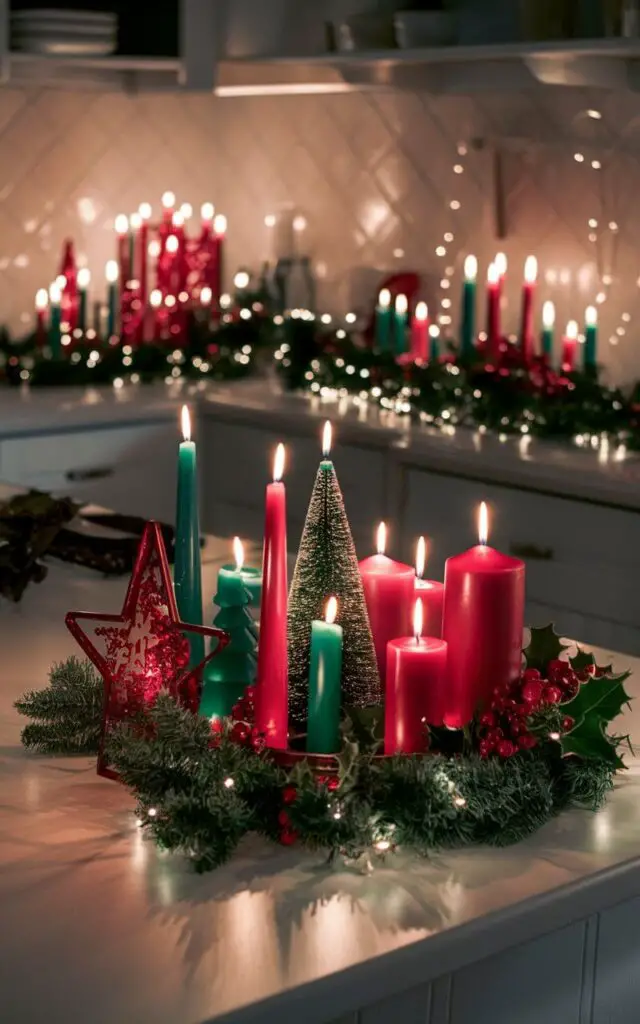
(68, 713)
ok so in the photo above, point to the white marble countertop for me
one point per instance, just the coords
(98, 926)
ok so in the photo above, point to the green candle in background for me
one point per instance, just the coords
(55, 316)
(548, 323)
(383, 321)
(112, 273)
(400, 324)
(84, 280)
(188, 572)
(590, 338)
(468, 318)
(325, 670)
(434, 343)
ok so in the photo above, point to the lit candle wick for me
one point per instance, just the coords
(483, 524)
(278, 464)
(381, 539)
(186, 423)
(331, 611)
(326, 439)
(421, 557)
(238, 552)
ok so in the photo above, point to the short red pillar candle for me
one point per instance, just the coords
(569, 347)
(483, 624)
(431, 594)
(388, 590)
(415, 689)
(420, 334)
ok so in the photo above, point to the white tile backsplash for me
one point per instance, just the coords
(372, 173)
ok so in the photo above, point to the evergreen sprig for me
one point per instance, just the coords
(67, 714)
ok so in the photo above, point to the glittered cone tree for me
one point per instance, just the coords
(227, 675)
(327, 565)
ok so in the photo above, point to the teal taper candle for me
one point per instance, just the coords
(468, 318)
(383, 321)
(188, 572)
(112, 273)
(55, 317)
(590, 338)
(323, 728)
(548, 323)
(83, 279)
(400, 325)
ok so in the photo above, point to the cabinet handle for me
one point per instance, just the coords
(532, 551)
(94, 473)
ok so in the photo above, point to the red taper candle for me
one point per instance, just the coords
(493, 311)
(272, 680)
(388, 590)
(415, 689)
(569, 347)
(483, 624)
(526, 322)
(420, 333)
(430, 592)
(42, 306)
(217, 257)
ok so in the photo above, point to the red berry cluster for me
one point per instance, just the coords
(504, 729)
(243, 731)
(288, 834)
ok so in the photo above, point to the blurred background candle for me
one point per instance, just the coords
(483, 624)
(122, 231)
(143, 252)
(501, 265)
(548, 323)
(569, 346)
(42, 305)
(415, 690)
(434, 343)
(218, 246)
(590, 338)
(84, 280)
(55, 316)
(383, 321)
(430, 592)
(420, 333)
(388, 590)
(493, 311)
(400, 324)
(526, 322)
(207, 212)
(325, 669)
(468, 318)
(188, 570)
(155, 303)
(135, 226)
(111, 272)
(168, 201)
(272, 685)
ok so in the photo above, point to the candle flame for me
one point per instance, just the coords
(402, 304)
(155, 298)
(501, 264)
(121, 224)
(591, 316)
(135, 221)
(220, 224)
(548, 315)
(177, 219)
(278, 464)
(172, 244)
(145, 211)
(187, 211)
(331, 611)
(168, 200)
(61, 282)
(384, 298)
(530, 269)
(418, 617)
(42, 299)
(493, 274)
(421, 557)
(381, 539)
(206, 295)
(55, 293)
(471, 268)
(84, 277)
(207, 211)
(326, 439)
(422, 311)
(112, 271)
(238, 552)
(186, 423)
(483, 523)
(572, 329)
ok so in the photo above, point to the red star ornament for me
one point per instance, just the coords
(144, 649)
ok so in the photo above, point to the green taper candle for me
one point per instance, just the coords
(468, 317)
(400, 325)
(590, 338)
(383, 321)
(112, 272)
(325, 670)
(434, 343)
(546, 339)
(84, 279)
(187, 576)
(55, 317)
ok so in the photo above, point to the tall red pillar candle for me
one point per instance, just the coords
(122, 231)
(493, 311)
(272, 679)
(526, 321)
(483, 624)
(217, 270)
(431, 594)
(388, 591)
(42, 305)
(569, 347)
(420, 333)
(415, 689)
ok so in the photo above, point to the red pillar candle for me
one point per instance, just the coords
(431, 594)
(493, 311)
(272, 680)
(420, 333)
(388, 590)
(415, 689)
(483, 623)
(526, 322)
(42, 306)
(569, 347)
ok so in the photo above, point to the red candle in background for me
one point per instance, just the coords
(483, 624)
(388, 590)
(569, 347)
(493, 310)
(168, 204)
(207, 211)
(143, 251)
(528, 292)
(430, 592)
(420, 333)
(153, 324)
(273, 670)
(42, 307)
(415, 689)
(217, 257)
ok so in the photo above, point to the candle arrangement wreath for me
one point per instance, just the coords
(358, 735)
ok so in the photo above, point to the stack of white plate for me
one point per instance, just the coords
(64, 33)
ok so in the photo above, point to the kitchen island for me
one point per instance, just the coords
(99, 927)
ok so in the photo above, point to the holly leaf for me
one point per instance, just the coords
(582, 660)
(588, 740)
(545, 645)
(600, 697)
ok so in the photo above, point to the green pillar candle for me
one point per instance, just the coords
(112, 273)
(84, 279)
(383, 321)
(546, 339)
(188, 572)
(400, 325)
(591, 338)
(55, 316)
(468, 318)
(325, 669)
(434, 344)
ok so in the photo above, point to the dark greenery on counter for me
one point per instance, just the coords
(67, 715)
